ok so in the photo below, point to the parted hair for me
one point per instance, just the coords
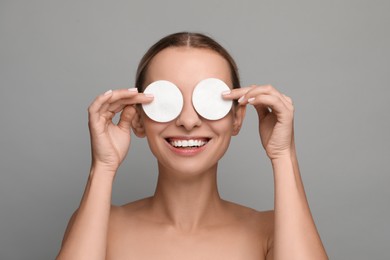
(185, 39)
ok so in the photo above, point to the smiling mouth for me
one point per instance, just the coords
(187, 143)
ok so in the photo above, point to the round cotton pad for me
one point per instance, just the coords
(167, 102)
(207, 99)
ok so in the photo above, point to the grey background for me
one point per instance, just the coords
(332, 57)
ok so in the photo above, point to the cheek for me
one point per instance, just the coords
(152, 128)
(224, 130)
(152, 137)
(153, 131)
(224, 125)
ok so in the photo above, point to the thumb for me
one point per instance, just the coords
(126, 118)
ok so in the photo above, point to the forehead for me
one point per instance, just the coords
(187, 66)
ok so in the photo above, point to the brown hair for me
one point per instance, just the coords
(183, 39)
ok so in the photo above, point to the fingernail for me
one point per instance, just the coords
(241, 99)
(251, 99)
(148, 95)
(108, 92)
(133, 89)
(227, 92)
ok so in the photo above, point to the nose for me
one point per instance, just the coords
(188, 118)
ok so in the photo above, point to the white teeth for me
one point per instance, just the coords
(187, 143)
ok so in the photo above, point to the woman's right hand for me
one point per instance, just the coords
(110, 142)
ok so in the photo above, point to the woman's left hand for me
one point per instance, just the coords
(276, 114)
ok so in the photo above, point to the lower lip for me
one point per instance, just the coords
(186, 151)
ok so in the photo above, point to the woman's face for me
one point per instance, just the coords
(186, 67)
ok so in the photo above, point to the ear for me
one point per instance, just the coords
(239, 115)
(137, 123)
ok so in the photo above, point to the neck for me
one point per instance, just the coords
(188, 202)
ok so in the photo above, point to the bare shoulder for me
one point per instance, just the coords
(259, 222)
(129, 209)
(254, 216)
(128, 214)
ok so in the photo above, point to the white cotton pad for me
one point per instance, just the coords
(167, 103)
(207, 99)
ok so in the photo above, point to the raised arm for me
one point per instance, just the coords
(86, 234)
(295, 233)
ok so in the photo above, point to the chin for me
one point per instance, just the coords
(184, 168)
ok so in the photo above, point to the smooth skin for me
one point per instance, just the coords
(186, 218)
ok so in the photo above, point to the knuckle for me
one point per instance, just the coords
(288, 98)
(90, 109)
(268, 87)
(127, 115)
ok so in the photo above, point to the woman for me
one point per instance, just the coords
(186, 218)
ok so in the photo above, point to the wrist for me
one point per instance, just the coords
(285, 158)
(279, 154)
(282, 166)
(100, 170)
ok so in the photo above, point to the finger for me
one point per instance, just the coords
(269, 90)
(123, 97)
(273, 91)
(115, 95)
(123, 93)
(126, 118)
(235, 93)
(262, 102)
(263, 110)
(259, 90)
(254, 91)
(140, 98)
(96, 105)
